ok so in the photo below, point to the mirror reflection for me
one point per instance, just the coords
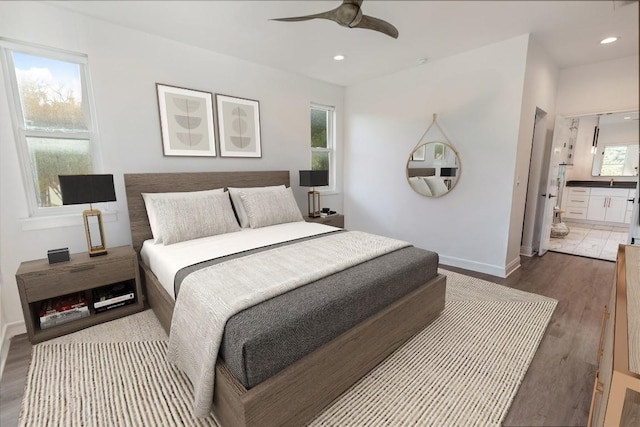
(614, 144)
(433, 169)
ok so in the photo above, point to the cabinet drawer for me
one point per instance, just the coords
(577, 200)
(578, 191)
(39, 286)
(575, 213)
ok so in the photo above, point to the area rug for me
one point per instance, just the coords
(462, 370)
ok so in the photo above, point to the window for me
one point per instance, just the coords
(52, 119)
(322, 141)
(613, 159)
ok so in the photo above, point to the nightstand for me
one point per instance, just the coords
(336, 220)
(38, 281)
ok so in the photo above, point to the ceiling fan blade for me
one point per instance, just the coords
(371, 23)
(323, 15)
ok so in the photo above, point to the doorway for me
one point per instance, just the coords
(578, 221)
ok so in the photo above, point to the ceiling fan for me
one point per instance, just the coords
(349, 14)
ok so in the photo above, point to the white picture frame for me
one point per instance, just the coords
(186, 121)
(238, 126)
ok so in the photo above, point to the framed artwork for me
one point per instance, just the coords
(238, 126)
(419, 153)
(186, 121)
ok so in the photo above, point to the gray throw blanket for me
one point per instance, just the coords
(212, 295)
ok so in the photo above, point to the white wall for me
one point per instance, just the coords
(478, 96)
(125, 66)
(540, 86)
(599, 87)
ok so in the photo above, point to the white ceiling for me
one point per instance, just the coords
(569, 30)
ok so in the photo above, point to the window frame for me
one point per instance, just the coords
(22, 133)
(331, 145)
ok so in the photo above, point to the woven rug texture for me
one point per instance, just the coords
(464, 369)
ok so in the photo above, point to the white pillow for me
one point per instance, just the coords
(189, 218)
(237, 201)
(420, 185)
(437, 185)
(149, 203)
(274, 206)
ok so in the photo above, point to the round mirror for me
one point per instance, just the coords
(433, 169)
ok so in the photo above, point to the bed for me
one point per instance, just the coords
(299, 390)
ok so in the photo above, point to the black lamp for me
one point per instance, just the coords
(81, 189)
(448, 171)
(314, 179)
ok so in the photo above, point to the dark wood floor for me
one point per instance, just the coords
(556, 390)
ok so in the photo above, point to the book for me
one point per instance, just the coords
(107, 297)
(114, 305)
(62, 303)
(116, 299)
(59, 318)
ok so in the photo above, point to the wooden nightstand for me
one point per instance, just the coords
(38, 281)
(336, 220)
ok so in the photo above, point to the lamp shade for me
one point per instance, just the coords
(81, 189)
(448, 171)
(314, 178)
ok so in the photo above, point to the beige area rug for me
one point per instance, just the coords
(462, 370)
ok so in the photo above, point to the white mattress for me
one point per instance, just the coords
(166, 261)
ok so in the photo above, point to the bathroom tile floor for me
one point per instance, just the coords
(595, 241)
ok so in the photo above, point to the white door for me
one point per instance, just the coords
(560, 135)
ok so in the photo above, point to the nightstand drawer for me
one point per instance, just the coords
(78, 277)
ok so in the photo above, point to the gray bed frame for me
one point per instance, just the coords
(300, 392)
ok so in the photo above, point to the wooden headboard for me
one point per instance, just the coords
(136, 184)
(421, 172)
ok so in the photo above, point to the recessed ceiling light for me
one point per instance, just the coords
(627, 118)
(338, 57)
(608, 40)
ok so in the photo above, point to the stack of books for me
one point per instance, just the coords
(63, 309)
(113, 296)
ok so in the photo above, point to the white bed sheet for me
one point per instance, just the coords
(166, 261)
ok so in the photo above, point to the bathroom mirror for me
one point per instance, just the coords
(615, 144)
(433, 169)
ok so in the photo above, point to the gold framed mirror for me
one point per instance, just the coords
(433, 168)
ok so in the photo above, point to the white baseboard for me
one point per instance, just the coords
(512, 266)
(527, 251)
(493, 270)
(9, 331)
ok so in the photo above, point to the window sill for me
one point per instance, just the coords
(67, 220)
(328, 192)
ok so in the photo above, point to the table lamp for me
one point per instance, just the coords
(82, 189)
(314, 179)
